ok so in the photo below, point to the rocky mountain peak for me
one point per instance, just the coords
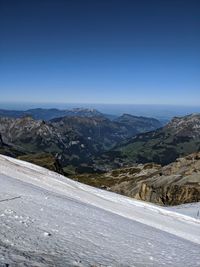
(187, 126)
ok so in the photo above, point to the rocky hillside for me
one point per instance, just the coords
(104, 131)
(72, 144)
(72, 140)
(8, 150)
(174, 184)
(178, 138)
(28, 135)
(143, 124)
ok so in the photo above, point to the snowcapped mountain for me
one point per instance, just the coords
(49, 220)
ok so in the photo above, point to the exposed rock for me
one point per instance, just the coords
(76, 139)
(174, 184)
(1, 140)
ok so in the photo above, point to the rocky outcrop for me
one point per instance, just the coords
(176, 183)
(169, 195)
(173, 184)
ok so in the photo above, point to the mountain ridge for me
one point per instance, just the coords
(72, 139)
(52, 113)
(180, 137)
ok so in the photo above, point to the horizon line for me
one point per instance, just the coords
(96, 103)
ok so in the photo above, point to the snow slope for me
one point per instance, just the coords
(190, 209)
(49, 220)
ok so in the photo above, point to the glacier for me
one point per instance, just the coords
(49, 220)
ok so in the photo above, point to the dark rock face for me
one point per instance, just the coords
(7, 149)
(45, 160)
(1, 140)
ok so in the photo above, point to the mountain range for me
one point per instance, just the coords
(73, 140)
(49, 114)
(130, 155)
(180, 137)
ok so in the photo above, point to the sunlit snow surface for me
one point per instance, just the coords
(49, 220)
(190, 209)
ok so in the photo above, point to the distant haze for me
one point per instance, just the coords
(165, 112)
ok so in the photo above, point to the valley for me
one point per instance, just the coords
(129, 155)
(73, 140)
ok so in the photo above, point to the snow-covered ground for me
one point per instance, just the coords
(49, 220)
(190, 209)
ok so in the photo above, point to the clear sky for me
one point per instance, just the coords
(100, 51)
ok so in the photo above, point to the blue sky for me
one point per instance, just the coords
(100, 51)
